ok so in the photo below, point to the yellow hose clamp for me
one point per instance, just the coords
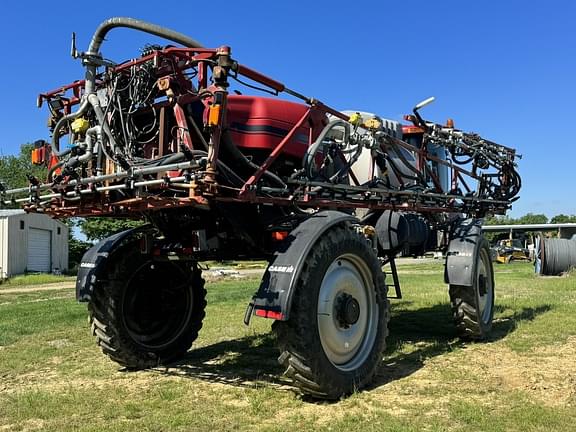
(373, 124)
(368, 231)
(163, 84)
(355, 119)
(80, 125)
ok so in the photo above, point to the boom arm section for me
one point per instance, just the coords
(165, 130)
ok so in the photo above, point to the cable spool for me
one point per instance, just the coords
(557, 256)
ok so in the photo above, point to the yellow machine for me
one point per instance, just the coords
(510, 249)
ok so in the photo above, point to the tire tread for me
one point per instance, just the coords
(303, 359)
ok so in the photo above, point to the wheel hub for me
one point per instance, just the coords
(156, 306)
(482, 285)
(485, 287)
(347, 310)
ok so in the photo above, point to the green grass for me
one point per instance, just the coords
(53, 377)
(34, 279)
(236, 265)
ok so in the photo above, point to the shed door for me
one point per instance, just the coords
(39, 248)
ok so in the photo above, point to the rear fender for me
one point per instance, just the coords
(465, 240)
(96, 258)
(274, 296)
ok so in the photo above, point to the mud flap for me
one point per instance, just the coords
(465, 240)
(94, 261)
(274, 296)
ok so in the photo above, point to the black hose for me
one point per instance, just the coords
(177, 157)
(55, 143)
(53, 169)
(239, 158)
(109, 24)
(398, 150)
(173, 158)
(557, 256)
(198, 132)
(230, 174)
(94, 48)
(398, 172)
(144, 26)
(308, 161)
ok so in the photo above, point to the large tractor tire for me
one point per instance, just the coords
(473, 306)
(335, 337)
(147, 313)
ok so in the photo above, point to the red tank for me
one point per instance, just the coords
(259, 123)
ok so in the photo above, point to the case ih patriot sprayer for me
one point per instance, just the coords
(327, 197)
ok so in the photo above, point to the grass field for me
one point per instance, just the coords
(54, 378)
(34, 279)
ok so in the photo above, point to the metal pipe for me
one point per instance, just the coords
(169, 167)
(95, 130)
(95, 102)
(94, 179)
(168, 180)
(72, 194)
(26, 189)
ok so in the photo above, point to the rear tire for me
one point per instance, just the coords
(335, 337)
(147, 313)
(473, 307)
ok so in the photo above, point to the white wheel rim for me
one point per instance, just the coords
(485, 288)
(347, 344)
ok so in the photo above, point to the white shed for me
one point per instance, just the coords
(31, 242)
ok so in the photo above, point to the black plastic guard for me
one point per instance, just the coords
(465, 239)
(274, 297)
(94, 261)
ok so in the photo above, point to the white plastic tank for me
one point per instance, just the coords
(365, 169)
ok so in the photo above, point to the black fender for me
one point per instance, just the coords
(465, 240)
(274, 296)
(94, 261)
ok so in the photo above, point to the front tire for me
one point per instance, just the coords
(473, 307)
(336, 335)
(147, 313)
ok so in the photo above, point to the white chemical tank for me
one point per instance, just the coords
(366, 169)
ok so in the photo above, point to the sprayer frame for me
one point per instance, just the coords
(218, 64)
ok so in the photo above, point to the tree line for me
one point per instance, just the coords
(530, 218)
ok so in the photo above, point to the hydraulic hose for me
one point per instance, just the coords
(239, 158)
(557, 256)
(90, 77)
(77, 159)
(398, 150)
(313, 149)
(95, 102)
(143, 26)
(54, 168)
(109, 24)
(55, 143)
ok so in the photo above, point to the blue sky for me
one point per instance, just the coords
(504, 69)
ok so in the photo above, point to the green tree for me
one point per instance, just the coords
(562, 218)
(76, 248)
(14, 172)
(531, 218)
(15, 169)
(499, 220)
(97, 228)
